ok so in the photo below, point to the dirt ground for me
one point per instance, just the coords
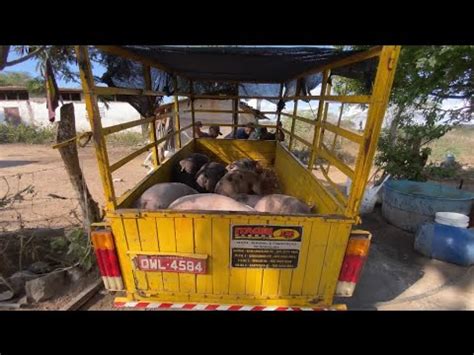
(41, 166)
(395, 276)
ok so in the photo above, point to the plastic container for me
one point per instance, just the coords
(446, 243)
(372, 195)
(409, 204)
(452, 219)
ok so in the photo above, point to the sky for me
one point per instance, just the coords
(29, 66)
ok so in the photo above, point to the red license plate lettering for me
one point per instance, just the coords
(171, 263)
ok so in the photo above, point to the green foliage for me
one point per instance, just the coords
(442, 171)
(33, 85)
(76, 247)
(425, 77)
(14, 78)
(62, 58)
(26, 134)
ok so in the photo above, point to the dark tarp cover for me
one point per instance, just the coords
(252, 70)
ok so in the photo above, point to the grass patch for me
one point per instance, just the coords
(459, 141)
(125, 139)
(26, 134)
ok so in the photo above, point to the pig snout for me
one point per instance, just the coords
(209, 175)
(238, 182)
(244, 164)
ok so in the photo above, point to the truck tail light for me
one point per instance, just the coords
(106, 255)
(356, 254)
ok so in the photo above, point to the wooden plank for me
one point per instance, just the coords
(149, 242)
(220, 255)
(355, 58)
(254, 277)
(185, 244)
(85, 295)
(107, 91)
(336, 249)
(122, 126)
(133, 241)
(167, 241)
(237, 277)
(300, 118)
(284, 284)
(320, 233)
(326, 154)
(354, 137)
(297, 279)
(203, 245)
(121, 245)
(142, 150)
(302, 184)
(271, 279)
(350, 99)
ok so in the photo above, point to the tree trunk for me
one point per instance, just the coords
(67, 130)
(392, 133)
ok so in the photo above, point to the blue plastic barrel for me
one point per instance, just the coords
(446, 243)
(409, 204)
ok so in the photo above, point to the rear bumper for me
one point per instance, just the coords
(120, 302)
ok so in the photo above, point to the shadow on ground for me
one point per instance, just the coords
(397, 277)
(11, 163)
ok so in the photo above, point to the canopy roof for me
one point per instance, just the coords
(243, 64)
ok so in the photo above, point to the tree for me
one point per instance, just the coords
(33, 85)
(425, 77)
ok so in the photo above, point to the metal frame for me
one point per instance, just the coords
(377, 102)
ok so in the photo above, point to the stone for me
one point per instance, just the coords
(18, 279)
(6, 291)
(45, 287)
(40, 267)
(75, 274)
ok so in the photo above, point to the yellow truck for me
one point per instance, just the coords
(212, 260)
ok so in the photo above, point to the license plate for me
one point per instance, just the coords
(171, 263)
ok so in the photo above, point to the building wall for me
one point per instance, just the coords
(34, 112)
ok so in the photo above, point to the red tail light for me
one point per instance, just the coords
(354, 260)
(107, 260)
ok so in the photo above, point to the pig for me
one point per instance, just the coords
(185, 171)
(282, 204)
(244, 164)
(249, 200)
(160, 196)
(239, 182)
(209, 202)
(269, 182)
(209, 175)
(193, 163)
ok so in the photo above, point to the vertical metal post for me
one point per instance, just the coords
(152, 126)
(295, 111)
(191, 97)
(176, 115)
(318, 123)
(378, 105)
(87, 80)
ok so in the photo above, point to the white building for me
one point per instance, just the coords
(18, 106)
